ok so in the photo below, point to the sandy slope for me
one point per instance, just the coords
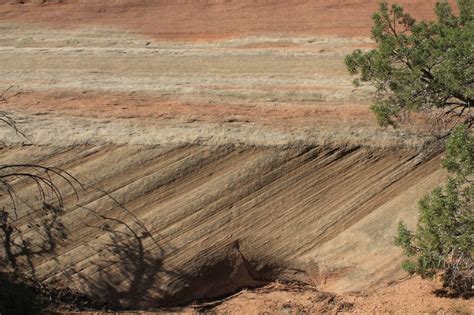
(210, 19)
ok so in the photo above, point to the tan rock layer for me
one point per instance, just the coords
(190, 222)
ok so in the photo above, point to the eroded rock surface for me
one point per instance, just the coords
(217, 149)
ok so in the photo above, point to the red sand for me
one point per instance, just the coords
(210, 19)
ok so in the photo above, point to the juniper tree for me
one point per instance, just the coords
(419, 66)
(424, 67)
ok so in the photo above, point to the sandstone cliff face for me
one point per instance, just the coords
(189, 222)
(221, 145)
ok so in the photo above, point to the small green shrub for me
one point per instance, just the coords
(444, 239)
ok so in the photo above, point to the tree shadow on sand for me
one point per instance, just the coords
(128, 275)
(30, 223)
(31, 205)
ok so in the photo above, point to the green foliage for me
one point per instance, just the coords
(404, 239)
(418, 66)
(460, 152)
(444, 239)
